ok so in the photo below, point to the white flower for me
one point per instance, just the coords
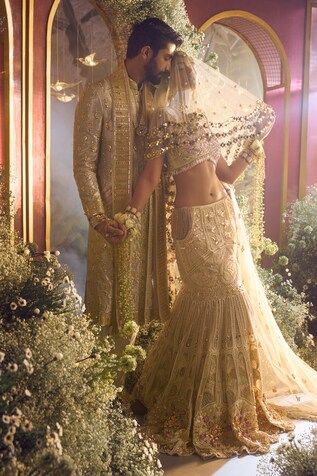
(26, 252)
(57, 253)
(50, 287)
(97, 356)
(22, 302)
(6, 419)
(13, 306)
(60, 429)
(58, 356)
(27, 392)
(159, 464)
(37, 311)
(47, 253)
(8, 438)
(36, 280)
(2, 355)
(12, 367)
(28, 353)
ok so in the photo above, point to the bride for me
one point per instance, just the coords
(220, 379)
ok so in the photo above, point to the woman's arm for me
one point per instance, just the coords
(146, 183)
(230, 173)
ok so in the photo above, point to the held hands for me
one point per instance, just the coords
(113, 231)
(131, 220)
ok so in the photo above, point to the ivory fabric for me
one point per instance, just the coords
(206, 382)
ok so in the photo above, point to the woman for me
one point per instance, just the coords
(220, 379)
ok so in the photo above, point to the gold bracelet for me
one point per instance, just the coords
(97, 218)
(134, 211)
(252, 151)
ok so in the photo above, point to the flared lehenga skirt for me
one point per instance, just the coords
(201, 380)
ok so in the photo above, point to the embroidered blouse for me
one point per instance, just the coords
(183, 144)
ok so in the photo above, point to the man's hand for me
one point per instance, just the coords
(112, 231)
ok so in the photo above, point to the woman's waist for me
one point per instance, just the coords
(205, 190)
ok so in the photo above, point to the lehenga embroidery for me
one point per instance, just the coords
(201, 381)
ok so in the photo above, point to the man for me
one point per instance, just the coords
(107, 161)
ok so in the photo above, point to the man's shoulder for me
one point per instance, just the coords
(98, 90)
(102, 86)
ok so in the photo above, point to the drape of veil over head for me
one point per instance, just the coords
(191, 107)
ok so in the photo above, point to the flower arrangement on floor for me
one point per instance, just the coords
(292, 313)
(299, 257)
(60, 411)
(295, 457)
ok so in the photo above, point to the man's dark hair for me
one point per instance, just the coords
(151, 32)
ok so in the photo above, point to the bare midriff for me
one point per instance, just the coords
(198, 186)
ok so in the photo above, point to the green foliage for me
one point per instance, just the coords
(292, 313)
(59, 404)
(299, 257)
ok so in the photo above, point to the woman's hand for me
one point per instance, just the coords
(113, 231)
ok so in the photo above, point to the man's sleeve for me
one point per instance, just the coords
(86, 144)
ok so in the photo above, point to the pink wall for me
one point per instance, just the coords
(312, 106)
(287, 18)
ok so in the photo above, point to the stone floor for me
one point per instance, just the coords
(237, 466)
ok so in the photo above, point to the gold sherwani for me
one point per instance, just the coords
(107, 161)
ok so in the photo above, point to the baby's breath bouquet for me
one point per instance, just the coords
(299, 257)
(292, 313)
(60, 411)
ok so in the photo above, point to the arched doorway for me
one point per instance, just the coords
(80, 50)
(272, 64)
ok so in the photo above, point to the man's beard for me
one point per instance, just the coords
(152, 75)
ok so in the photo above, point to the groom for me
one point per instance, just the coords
(107, 161)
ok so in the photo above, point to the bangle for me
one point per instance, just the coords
(134, 211)
(252, 151)
(97, 218)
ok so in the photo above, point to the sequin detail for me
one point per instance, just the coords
(184, 144)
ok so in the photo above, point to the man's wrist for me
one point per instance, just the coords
(97, 218)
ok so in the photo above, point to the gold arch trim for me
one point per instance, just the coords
(27, 118)
(286, 84)
(305, 103)
(48, 125)
(10, 148)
